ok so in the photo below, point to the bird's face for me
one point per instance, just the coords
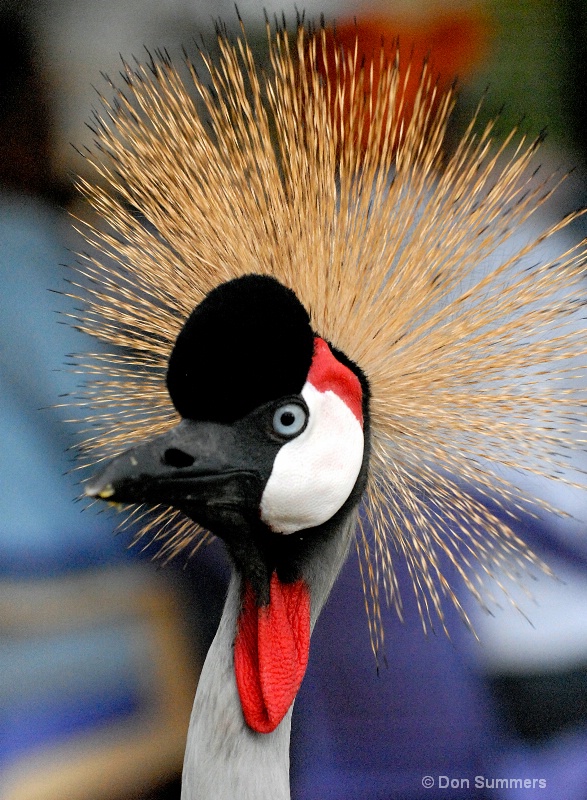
(271, 447)
(272, 437)
(286, 466)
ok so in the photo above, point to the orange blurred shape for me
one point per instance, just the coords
(453, 44)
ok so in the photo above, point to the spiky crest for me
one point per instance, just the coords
(336, 188)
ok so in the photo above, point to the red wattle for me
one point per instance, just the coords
(271, 652)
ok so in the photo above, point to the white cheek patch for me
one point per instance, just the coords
(314, 474)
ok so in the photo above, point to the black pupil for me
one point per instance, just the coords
(288, 418)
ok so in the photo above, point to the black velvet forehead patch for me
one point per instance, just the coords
(248, 342)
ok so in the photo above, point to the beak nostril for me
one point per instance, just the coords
(177, 458)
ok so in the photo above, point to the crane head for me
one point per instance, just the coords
(408, 257)
(270, 455)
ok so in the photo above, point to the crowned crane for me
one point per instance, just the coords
(305, 280)
(271, 455)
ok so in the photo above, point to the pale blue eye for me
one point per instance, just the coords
(289, 420)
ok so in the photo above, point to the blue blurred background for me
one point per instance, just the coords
(99, 649)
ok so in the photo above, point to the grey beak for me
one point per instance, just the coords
(200, 468)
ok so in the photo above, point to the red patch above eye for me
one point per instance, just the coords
(328, 374)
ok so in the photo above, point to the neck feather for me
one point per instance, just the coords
(224, 758)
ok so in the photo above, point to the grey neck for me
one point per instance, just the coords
(225, 759)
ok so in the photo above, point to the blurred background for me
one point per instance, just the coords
(99, 649)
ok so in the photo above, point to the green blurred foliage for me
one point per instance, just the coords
(535, 69)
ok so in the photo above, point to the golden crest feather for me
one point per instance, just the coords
(329, 185)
